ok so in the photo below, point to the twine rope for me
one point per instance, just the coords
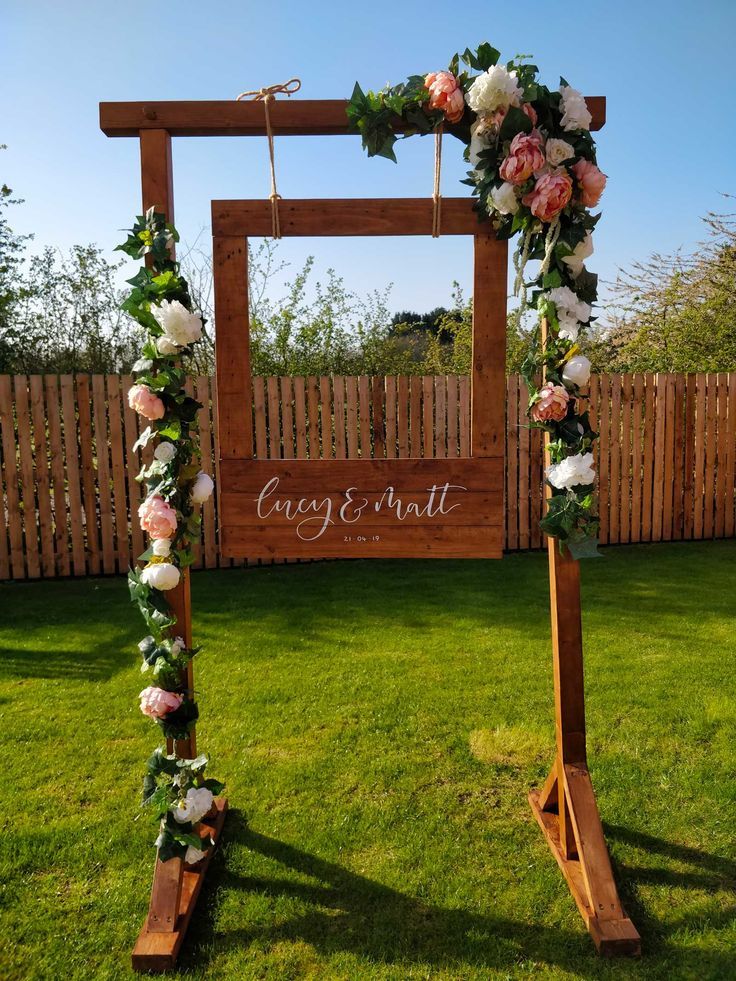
(436, 196)
(266, 95)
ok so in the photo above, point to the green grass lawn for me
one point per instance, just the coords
(378, 725)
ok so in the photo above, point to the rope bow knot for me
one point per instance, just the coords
(266, 95)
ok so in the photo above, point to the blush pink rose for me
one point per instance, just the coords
(156, 703)
(552, 404)
(445, 94)
(525, 156)
(550, 195)
(142, 400)
(157, 517)
(528, 109)
(591, 182)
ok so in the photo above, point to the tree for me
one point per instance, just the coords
(12, 289)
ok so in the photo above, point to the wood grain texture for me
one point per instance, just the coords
(488, 382)
(289, 117)
(230, 266)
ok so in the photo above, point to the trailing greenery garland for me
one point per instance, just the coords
(175, 790)
(535, 174)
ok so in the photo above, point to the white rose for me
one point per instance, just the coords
(161, 547)
(569, 327)
(570, 309)
(164, 345)
(162, 575)
(575, 113)
(194, 806)
(574, 471)
(180, 326)
(193, 855)
(504, 199)
(579, 254)
(557, 151)
(202, 488)
(494, 89)
(177, 645)
(164, 452)
(576, 371)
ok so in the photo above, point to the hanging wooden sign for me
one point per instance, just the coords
(369, 507)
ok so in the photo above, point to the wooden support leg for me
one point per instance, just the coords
(565, 807)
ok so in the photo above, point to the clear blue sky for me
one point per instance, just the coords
(669, 146)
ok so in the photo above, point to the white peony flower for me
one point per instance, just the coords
(571, 311)
(575, 113)
(180, 326)
(161, 547)
(576, 371)
(162, 575)
(193, 855)
(202, 488)
(574, 471)
(495, 89)
(557, 151)
(164, 345)
(504, 199)
(164, 452)
(194, 806)
(581, 252)
(569, 327)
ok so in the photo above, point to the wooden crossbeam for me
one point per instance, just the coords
(289, 117)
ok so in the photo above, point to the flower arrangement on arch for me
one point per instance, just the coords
(176, 487)
(535, 174)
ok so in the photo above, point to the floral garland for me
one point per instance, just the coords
(175, 790)
(534, 173)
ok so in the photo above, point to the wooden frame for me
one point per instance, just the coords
(565, 806)
(392, 510)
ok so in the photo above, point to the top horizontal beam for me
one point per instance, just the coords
(289, 117)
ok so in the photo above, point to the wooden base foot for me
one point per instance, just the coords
(157, 950)
(586, 866)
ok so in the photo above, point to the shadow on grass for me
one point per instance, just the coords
(97, 662)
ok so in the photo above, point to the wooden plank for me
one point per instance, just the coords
(326, 413)
(274, 418)
(512, 462)
(669, 450)
(104, 485)
(42, 474)
(647, 494)
(464, 416)
(347, 217)
(391, 431)
(208, 549)
(259, 418)
(351, 397)
(300, 418)
(428, 416)
(234, 396)
(637, 456)
(11, 479)
(730, 502)
(117, 456)
(700, 437)
(27, 482)
(415, 416)
(289, 117)
(379, 427)
(4, 546)
(488, 386)
(522, 422)
(604, 455)
(710, 456)
(133, 466)
(71, 443)
(222, 560)
(678, 513)
(536, 487)
(338, 397)
(721, 453)
(313, 417)
(625, 489)
(364, 416)
(403, 409)
(157, 180)
(689, 475)
(440, 417)
(659, 456)
(452, 415)
(287, 417)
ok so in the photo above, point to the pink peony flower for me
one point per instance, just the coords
(445, 94)
(528, 109)
(591, 182)
(156, 702)
(525, 156)
(142, 400)
(550, 195)
(551, 405)
(157, 517)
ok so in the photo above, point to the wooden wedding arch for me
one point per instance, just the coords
(259, 499)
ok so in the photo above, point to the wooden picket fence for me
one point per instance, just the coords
(69, 494)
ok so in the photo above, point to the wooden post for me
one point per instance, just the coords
(565, 807)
